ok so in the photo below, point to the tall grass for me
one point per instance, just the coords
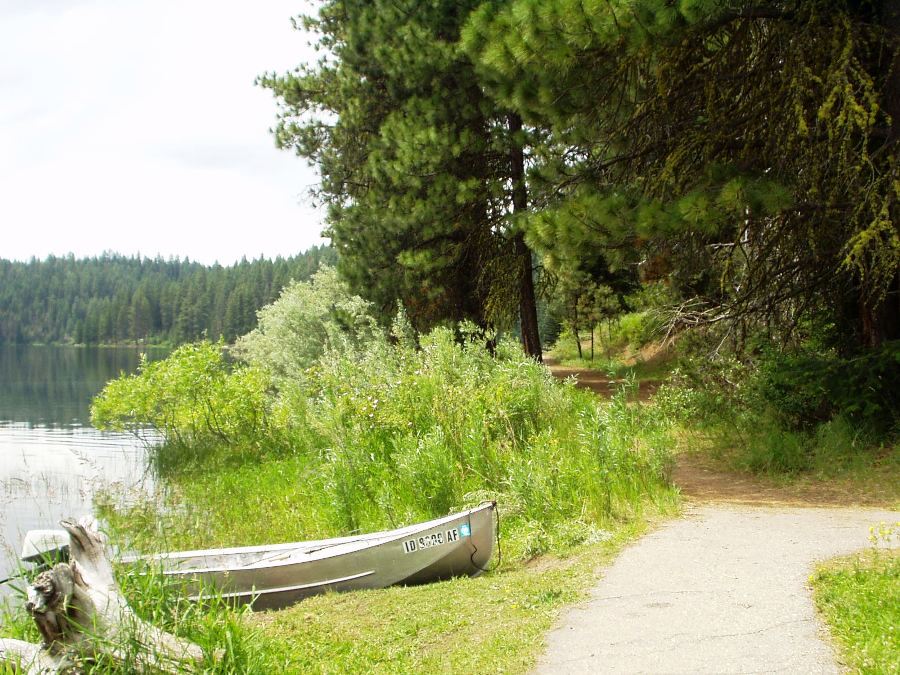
(362, 433)
(230, 643)
(368, 436)
(371, 439)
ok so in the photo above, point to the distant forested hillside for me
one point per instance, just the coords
(115, 298)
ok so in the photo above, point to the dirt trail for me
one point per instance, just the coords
(722, 589)
(599, 382)
(702, 481)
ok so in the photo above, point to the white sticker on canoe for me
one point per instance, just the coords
(436, 539)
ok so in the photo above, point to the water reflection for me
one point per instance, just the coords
(52, 462)
(54, 385)
(50, 473)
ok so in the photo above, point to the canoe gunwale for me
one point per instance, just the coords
(372, 539)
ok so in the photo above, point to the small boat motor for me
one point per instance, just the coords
(45, 547)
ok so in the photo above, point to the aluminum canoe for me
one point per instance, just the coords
(270, 577)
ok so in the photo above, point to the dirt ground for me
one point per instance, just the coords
(703, 480)
(599, 382)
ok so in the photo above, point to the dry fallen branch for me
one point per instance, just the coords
(82, 616)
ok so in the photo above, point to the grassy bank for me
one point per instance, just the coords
(367, 440)
(859, 598)
(375, 434)
(494, 623)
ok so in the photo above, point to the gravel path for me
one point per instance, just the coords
(721, 590)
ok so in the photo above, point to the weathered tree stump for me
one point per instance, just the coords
(82, 616)
(34, 659)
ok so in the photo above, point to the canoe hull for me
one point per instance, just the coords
(277, 576)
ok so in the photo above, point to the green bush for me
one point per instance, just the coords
(806, 389)
(795, 413)
(193, 396)
(393, 434)
(638, 328)
(307, 319)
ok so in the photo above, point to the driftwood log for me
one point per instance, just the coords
(82, 616)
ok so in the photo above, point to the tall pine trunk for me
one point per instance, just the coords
(531, 339)
(577, 337)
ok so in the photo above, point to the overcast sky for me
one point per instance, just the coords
(134, 126)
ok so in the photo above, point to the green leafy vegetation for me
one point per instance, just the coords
(380, 432)
(859, 597)
(803, 416)
(691, 143)
(494, 622)
(117, 299)
(723, 173)
(805, 388)
(422, 172)
(352, 430)
(789, 415)
(230, 641)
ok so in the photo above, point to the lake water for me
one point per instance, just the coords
(52, 461)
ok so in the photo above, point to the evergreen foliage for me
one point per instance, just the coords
(806, 388)
(117, 299)
(421, 171)
(745, 152)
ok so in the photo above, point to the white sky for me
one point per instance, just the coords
(134, 126)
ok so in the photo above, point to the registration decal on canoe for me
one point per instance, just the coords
(436, 539)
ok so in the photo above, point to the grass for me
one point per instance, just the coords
(649, 364)
(269, 501)
(365, 442)
(859, 597)
(622, 367)
(230, 643)
(723, 430)
(834, 462)
(806, 419)
(494, 623)
(822, 472)
(376, 438)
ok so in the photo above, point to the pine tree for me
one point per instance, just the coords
(119, 299)
(745, 151)
(421, 171)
